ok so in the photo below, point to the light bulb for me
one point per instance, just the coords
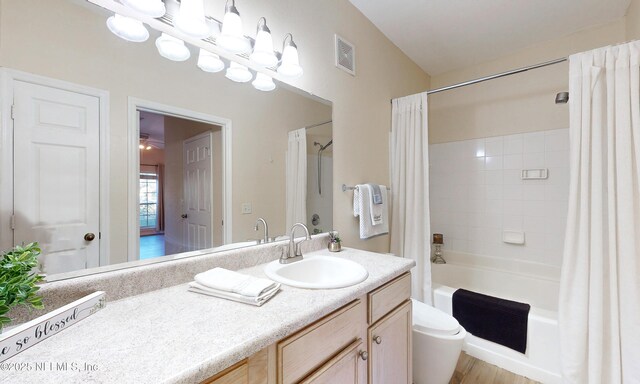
(191, 20)
(238, 73)
(263, 49)
(290, 66)
(231, 37)
(263, 83)
(171, 48)
(127, 28)
(141, 146)
(209, 62)
(151, 8)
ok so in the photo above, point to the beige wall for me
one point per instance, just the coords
(514, 104)
(632, 20)
(153, 156)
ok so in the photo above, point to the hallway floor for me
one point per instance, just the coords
(473, 371)
(151, 246)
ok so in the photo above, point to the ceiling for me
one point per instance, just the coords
(152, 124)
(444, 35)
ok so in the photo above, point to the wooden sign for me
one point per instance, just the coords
(29, 334)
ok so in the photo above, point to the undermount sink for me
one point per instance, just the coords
(317, 272)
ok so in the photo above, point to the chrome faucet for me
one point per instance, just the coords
(266, 228)
(293, 253)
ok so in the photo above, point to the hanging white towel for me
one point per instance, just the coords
(224, 280)
(377, 209)
(362, 208)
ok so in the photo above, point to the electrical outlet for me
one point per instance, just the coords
(246, 208)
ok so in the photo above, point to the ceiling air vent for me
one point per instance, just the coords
(345, 56)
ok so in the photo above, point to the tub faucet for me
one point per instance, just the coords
(293, 252)
(266, 228)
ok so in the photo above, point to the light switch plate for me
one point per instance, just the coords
(246, 208)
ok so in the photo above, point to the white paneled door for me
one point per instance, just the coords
(197, 189)
(57, 175)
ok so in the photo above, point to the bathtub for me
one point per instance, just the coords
(530, 283)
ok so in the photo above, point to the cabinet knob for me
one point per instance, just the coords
(364, 355)
(377, 339)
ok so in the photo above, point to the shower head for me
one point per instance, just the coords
(562, 98)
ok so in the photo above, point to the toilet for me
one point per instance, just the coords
(437, 342)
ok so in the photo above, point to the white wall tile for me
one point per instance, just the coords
(493, 177)
(512, 162)
(556, 159)
(512, 176)
(513, 207)
(492, 163)
(477, 193)
(533, 192)
(493, 147)
(533, 160)
(556, 141)
(512, 222)
(513, 144)
(533, 142)
(512, 192)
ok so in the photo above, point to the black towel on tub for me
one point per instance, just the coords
(491, 318)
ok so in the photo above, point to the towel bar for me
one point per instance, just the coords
(346, 188)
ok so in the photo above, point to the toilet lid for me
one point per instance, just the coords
(429, 319)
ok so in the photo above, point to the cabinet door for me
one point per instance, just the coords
(389, 342)
(347, 367)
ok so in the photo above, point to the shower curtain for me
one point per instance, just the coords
(410, 220)
(296, 193)
(599, 310)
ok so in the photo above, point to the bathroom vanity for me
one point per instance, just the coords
(357, 334)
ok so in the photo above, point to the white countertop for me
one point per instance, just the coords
(175, 336)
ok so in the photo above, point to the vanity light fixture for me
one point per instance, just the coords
(263, 54)
(191, 21)
(151, 8)
(238, 73)
(171, 48)
(231, 37)
(127, 28)
(290, 65)
(263, 83)
(209, 62)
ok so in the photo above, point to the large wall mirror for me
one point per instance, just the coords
(112, 154)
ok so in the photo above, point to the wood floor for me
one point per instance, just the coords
(473, 371)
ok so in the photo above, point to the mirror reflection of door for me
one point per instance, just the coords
(180, 195)
(56, 174)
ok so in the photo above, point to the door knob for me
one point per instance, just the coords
(364, 355)
(184, 215)
(377, 339)
(89, 236)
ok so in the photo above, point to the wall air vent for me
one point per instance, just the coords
(345, 56)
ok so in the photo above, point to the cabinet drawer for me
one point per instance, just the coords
(308, 349)
(236, 374)
(387, 297)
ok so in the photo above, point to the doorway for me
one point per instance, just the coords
(54, 173)
(180, 183)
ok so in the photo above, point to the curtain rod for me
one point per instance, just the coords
(496, 76)
(319, 124)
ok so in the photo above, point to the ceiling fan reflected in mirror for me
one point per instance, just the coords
(147, 143)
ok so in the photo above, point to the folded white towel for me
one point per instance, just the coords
(362, 208)
(230, 281)
(257, 301)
